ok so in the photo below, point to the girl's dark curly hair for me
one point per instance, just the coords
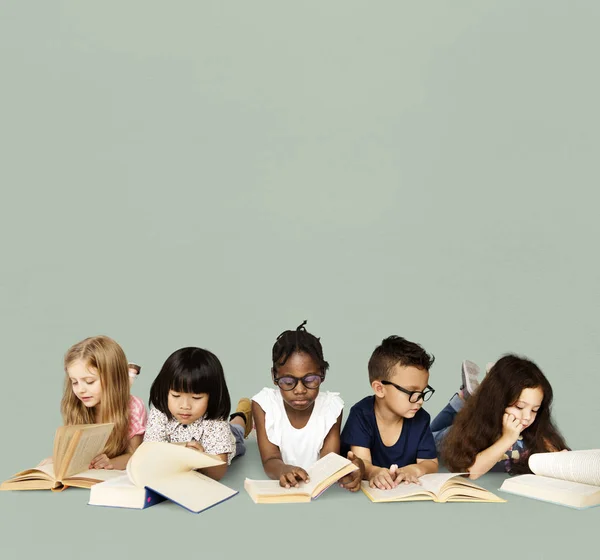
(479, 424)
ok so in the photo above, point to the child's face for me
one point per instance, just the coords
(85, 383)
(186, 408)
(297, 366)
(410, 378)
(526, 407)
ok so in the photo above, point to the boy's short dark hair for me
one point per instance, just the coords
(397, 350)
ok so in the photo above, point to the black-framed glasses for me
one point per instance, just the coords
(288, 382)
(413, 396)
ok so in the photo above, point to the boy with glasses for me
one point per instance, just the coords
(389, 430)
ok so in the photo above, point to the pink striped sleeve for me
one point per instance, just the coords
(138, 417)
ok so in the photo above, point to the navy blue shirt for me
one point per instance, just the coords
(415, 441)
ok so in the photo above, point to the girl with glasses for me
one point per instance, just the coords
(296, 424)
(496, 425)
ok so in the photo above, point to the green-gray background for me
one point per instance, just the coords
(213, 173)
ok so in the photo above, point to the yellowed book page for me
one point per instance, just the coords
(402, 492)
(157, 460)
(88, 478)
(44, 475)
(62, 440)
(28, 484)
(192, 490)
(87, 443)
(555, 490)
(43, 471)
(575, 466)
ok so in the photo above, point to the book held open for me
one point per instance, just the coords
(74, 448)
(323, 474)
(437, 487)
(568, 478)
(158, 471)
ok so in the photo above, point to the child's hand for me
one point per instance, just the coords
(195, 445)
(290, 476)
(511, 427)
(409, 474)
(384, 479)
(101, 462)
(352, 481)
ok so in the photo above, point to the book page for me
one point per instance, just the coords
(192, 490)
(549, 484)
(563, 492)
(324, 468)
(44, 472)
(154, 461)
(273, 488)
(435, 481)
(402, 491)
(47, 469)
(119, 481)
(62, 440)
(97, 474)
(574, 466)
(88, 442)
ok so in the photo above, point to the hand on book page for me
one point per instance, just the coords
(323, 474)
(352, 481)
(384, 479)
(101, 462)
(195, 445)
(292, 476)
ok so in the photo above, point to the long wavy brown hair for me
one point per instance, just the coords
(103, 355)
(479, 424)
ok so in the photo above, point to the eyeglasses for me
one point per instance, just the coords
(413, 396)
(287, 382)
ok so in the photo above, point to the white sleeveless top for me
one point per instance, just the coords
(301, 447)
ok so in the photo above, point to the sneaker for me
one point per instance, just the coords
(134, 371)
(244, 407)
(470, 372)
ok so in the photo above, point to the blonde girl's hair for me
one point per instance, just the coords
(108, 359)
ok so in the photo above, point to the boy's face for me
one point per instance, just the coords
(410, 378)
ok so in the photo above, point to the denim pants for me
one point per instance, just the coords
(443, 421)
(240, 445)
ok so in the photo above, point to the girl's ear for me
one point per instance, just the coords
(378, 388)
(273, 376)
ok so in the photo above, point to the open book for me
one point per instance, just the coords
(439, 487)
(74, 448)
(324, 473)
(569, 478)
(158, 471)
